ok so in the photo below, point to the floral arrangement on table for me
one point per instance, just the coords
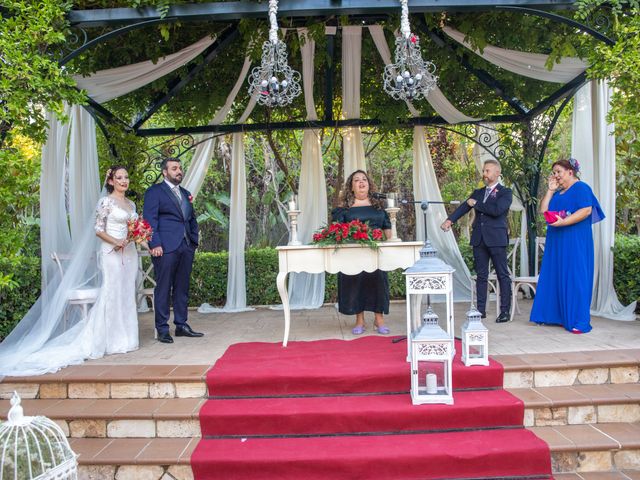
(344, 233)
(139, 230)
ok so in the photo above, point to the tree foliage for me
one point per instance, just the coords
(31, 80)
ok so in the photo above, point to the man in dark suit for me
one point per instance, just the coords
(489, 236)
(168, 209)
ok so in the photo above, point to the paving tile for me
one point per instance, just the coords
(88, 448)
(121, 373)
(85, 373)
(121, 451)
(140, 408)
(68, 407)
(556, 441)
(601, 476)
(102, 408)
(631, 475)
(628, 434)
(531, 397)
(586, 437)
(185, 456)
(562, 396)
(631, 390)
(179, 408)
(189, 373)
(164, 451)
(511, 362)
(602, 394)
(567, 476)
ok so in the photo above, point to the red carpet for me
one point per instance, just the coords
(337, 409)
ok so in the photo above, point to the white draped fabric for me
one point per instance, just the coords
(425, 187)
(532, 65)
(306, 290)
(54, 232)
(593, 144)
(204, 151)
(84, 178)
(108, 84)
(352, 136)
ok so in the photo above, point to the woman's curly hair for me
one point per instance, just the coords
(347, 197)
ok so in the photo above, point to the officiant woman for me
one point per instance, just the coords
(365, 291)
(564, 289)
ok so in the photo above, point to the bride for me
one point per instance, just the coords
(53, 335)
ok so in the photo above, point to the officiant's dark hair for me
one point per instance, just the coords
(110, 174)
(165, 160)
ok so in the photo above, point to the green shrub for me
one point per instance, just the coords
(24, 289)
(626, 268)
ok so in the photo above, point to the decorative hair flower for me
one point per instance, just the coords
(574, 164)
(190, 198)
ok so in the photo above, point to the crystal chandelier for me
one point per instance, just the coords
(410, 77)
(274, 80)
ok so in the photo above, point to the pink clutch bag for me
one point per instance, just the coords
(552, 217)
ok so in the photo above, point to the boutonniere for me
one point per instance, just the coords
(494, 193)
(190, 197)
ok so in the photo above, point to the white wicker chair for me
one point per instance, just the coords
(82, 296)
(530, 282)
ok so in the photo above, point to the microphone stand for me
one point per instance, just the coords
(427, 249)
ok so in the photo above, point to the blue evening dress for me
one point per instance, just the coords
(563, 296)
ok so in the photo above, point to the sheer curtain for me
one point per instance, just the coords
(425, 187)
(306, 290)
(532, 65)
(351, 62)
(201, 159)
(593, 144)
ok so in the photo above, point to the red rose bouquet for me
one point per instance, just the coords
(352, 232)
(139, 230)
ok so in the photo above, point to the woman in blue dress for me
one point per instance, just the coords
(564, 289)
(364, 291)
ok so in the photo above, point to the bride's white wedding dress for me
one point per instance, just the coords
(111, 325)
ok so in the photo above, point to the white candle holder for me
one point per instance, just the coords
(393, 212)
(293, 227)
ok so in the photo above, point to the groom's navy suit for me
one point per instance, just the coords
(490, 238)
(175, 229)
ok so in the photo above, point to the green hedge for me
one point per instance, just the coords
(209, 279)
(626, 268)
(16, 301)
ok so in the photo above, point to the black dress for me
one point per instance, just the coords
(364, 291)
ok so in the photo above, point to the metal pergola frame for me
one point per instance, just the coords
(539, 120)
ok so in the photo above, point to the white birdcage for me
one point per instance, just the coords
(34, 448)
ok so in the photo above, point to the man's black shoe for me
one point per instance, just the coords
(186, 331)
(483, 315)
(503, 318)
(165, 338)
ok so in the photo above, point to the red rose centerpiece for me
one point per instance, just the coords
(344, 233)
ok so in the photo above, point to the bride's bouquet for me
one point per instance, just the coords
(139, 230)
(352, 232)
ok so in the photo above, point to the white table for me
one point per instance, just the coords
(348, 259)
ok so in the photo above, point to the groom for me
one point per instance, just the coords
(168, 209)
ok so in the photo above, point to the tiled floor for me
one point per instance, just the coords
(267, 325)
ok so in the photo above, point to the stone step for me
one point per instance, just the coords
(111, 381)
(587, 452)
(178, 417)
(580, 404)
(570, 368)
(187, 381)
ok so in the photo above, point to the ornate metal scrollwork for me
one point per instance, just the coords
(428, 283)
(176, 146)
(433, 349)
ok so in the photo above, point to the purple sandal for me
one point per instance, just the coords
(358, 330)
(382, 330)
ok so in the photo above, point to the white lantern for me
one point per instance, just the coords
(428, 276)
(431, 363)
(475, 340)
(34, 448)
